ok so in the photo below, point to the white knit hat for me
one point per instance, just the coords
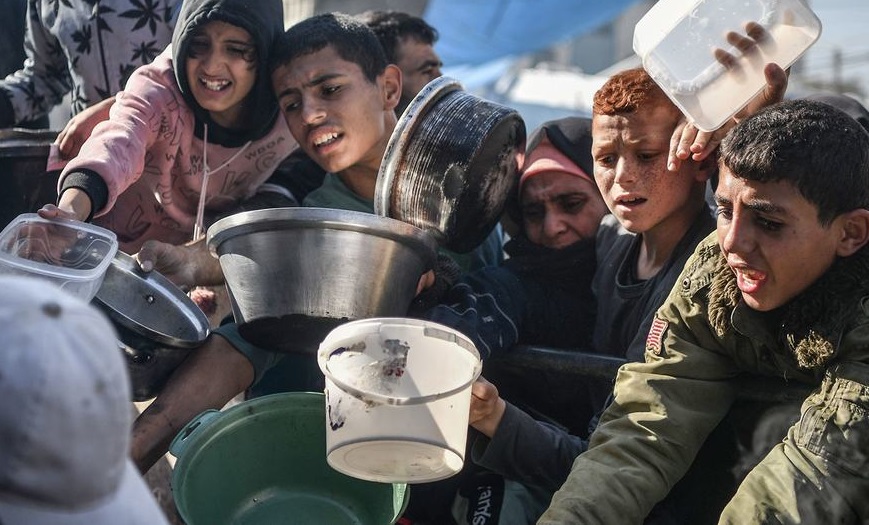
(65, 414)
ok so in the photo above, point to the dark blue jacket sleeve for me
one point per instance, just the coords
(528, 451)
(488, 306)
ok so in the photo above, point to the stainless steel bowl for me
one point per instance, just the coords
(157, 323)
(294, 274)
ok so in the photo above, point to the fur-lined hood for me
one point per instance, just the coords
(814, 322)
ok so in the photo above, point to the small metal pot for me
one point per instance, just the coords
(450, 164)
(157, 323)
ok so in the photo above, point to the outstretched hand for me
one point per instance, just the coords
(73, 204)
(80, 127)
(185, 265)
(51, 211)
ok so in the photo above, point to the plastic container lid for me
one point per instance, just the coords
(74, 255)
(677, 39)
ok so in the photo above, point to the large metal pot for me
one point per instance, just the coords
(294, 274)
(23, 159)
(157, 323)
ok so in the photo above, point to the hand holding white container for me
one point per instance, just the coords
(708, 55)
(398, 394)
(71, 254)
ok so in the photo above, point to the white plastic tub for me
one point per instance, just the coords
(676, 40)
(398, 394)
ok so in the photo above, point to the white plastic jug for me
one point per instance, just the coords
(398, 394)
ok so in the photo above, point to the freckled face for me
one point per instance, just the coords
(772, 239)
(630, 168)
(332, 110)
(559, 209)
(221, 70)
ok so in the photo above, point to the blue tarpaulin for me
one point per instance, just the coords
(476, 32)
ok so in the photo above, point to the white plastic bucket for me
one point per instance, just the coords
(398, 394)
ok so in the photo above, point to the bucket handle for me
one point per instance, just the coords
(179, 442)
(382, 399)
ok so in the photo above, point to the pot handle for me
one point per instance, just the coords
(179, 442)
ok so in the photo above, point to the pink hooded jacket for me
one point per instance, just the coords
(153, 163)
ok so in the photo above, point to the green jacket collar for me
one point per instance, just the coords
(813, 323)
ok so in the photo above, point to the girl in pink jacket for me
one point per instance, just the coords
(193, 133)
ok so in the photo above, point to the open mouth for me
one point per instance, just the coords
(325, 139)
(630, 201)
(214, 85)
(749, 280)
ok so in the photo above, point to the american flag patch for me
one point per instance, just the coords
(656, 334)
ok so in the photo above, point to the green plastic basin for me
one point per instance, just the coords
(264, 462)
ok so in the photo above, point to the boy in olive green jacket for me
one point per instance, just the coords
(780, 290)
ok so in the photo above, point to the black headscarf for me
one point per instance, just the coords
(572, 136)
(263, 19)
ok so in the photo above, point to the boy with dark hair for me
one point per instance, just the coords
(408, 42)
(777, 292)
(337, 94)
(394, 28)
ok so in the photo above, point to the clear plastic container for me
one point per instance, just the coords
(74, 255)
(677, 39)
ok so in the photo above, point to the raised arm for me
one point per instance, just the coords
(516, 445)
(688, 141)
(663, 411)
(212, 375)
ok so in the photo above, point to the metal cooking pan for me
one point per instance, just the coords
(157, 323)
(450, 164)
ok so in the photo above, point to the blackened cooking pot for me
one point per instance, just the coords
(450, 164)
(23, 158)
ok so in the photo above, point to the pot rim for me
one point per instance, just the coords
(410, 119)
(201, 432)
(275, 219)
(442, 113)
